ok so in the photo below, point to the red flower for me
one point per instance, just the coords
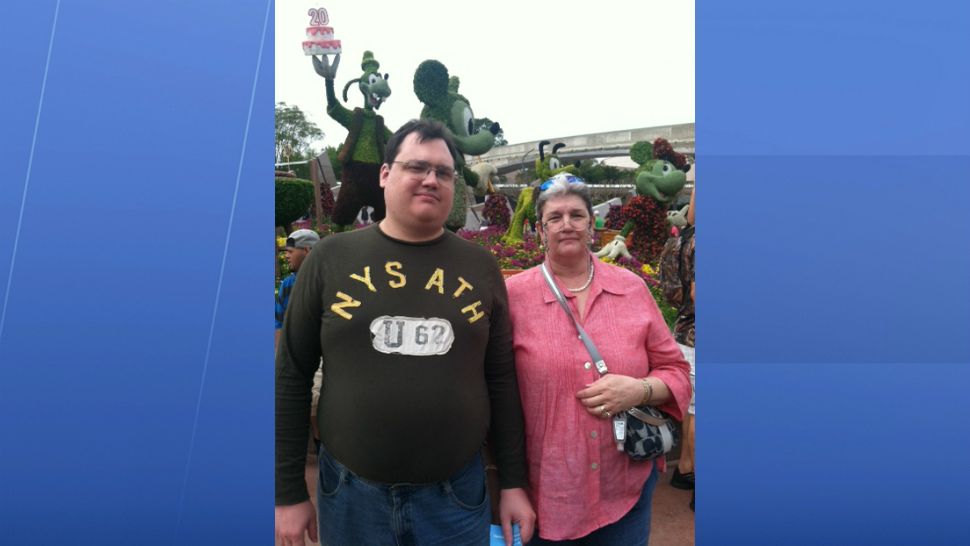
(649, 227)
(496, 211)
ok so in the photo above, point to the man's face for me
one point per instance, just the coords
(414, 200)
(295, 257)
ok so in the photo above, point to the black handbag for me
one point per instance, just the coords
(649, 434)
(643, 432)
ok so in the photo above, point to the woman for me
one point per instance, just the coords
(584, 490)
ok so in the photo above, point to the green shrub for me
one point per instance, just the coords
(641, 152)
(669, 313)
(431, 82)
(293, 199)
(431, 88)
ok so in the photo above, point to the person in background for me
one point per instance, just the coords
(584, 490)
(298, 246)
(684, 333)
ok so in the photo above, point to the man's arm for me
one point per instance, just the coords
(514, 507)
(292, 521)
(507, 431)
(507, 427)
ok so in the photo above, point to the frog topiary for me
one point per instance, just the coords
(362, 152)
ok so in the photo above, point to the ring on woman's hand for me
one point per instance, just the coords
(608, 414)
(603, 409)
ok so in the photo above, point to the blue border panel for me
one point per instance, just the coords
(833, 272)
(838, 258)
(135, 212)
(135, 219)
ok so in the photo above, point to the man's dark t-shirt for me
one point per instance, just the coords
(417, 362)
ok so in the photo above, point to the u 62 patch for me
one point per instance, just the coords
(412, 336)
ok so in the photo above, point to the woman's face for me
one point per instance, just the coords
(565, 227)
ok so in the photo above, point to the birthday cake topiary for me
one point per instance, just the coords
(319, 36)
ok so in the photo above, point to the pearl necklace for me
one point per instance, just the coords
(589, 280)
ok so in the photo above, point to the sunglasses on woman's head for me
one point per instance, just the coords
(569, 178)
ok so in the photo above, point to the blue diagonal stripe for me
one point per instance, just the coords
(222, 270)
(30, 163)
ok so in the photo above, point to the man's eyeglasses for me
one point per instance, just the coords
(557, 222)
(421, 169)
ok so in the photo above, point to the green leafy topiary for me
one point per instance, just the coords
(366, 136)
(431, 87)
(431, 82)
(293, 198)
(470, 176)
(641, 152)
(443, 103)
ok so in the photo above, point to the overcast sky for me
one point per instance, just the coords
(541, 69)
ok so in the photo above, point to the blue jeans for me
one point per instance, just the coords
(633, 529)
(354, 511)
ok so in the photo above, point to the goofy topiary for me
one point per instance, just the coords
(363, 150)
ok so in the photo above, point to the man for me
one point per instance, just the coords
(298, 245)
(416, 343)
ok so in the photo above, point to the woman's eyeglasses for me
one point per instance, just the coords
(421, 169)
(559, 222)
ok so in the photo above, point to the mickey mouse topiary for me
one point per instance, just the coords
(658, 178)
(443, 103)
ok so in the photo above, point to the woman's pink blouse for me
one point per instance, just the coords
(578, 479)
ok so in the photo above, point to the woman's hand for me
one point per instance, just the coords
(611, 394)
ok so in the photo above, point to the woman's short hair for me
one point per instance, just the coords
(561, 185)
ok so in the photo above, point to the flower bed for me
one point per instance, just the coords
(510, 256)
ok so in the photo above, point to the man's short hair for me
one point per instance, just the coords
(427, 130)
(302, 238)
